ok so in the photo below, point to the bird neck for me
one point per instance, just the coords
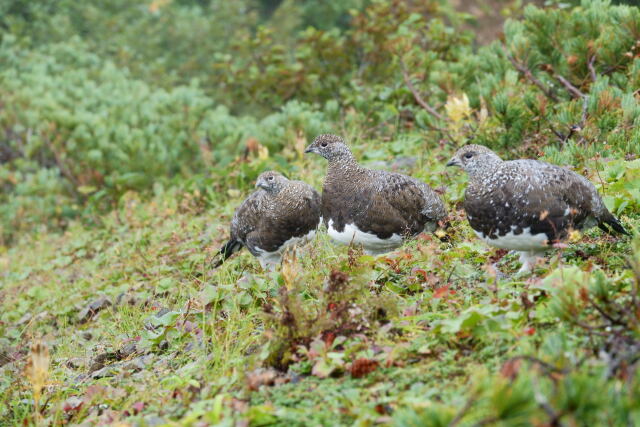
(489, 167)
(344, 163)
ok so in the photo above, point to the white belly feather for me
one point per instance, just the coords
(371, 243)
(524, 241)
(271, 259)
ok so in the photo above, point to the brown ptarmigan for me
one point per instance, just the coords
(280, 214)
(527, 205)
(374, 208)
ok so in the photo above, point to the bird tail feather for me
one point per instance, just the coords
(228, 249)
(611, 222)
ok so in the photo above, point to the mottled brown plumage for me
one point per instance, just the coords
(526, 205)
(375, 208)
(279, 214)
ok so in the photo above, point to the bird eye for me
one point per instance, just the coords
(324, 144)
(270, 178)
(468, 155)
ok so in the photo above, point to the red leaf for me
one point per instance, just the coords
(137, 407)
(584, 294)
(510, 369)
(421, 272)
(441, 291)
(73, 403)
(328, 338)
(381, 409)
(362, 367)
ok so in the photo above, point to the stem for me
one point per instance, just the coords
(570, 87)
(529, 75)
(417, 96)
(592, 70)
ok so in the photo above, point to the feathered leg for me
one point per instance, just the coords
(528, 260)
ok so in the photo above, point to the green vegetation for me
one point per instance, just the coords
(130, 130)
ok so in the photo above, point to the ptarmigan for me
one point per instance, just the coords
(374, 208)
(527, 205)
(281, 213)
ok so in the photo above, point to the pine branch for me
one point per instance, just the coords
(585, 106)
(546, 366)
(468, 404)
(592, 69)
(554, 417)
(62, 165)
(416, 95)
(533, 79)
(604, 314)
(570, 87)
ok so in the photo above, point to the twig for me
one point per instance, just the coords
(604, 313)
(450, 274)
(529, 75)
(592, 329)
(62, 166)
(184, 320)
(486, 421)
(428, 108)
(635, 267)
(544, 404)
(574, 128)
(570, 87)
(547, 366)
(560, 136)
(592, 69)
(463, 411)
(585, 106)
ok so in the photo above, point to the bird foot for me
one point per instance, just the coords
(529, 261)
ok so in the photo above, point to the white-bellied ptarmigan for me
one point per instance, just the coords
(280, 214)
(374, 208)
(527, 205)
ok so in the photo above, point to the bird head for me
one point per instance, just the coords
(474, 159)
(271, 181)
(329, 146)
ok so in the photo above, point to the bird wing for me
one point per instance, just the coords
(247, 216)
(397, 202)
(528, 193)
(300, 211)
(293, 213)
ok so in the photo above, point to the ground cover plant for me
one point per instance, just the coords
(122, 160)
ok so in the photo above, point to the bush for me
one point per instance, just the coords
(78, 129)
(400, 70)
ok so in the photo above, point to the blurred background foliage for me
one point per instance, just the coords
(105, 97)
(163, 113)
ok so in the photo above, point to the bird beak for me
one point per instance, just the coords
(453, 162)
(310, 149)
(260, 184)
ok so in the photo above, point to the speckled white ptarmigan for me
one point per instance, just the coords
(374, 208)
(280, 214)
(527, 205)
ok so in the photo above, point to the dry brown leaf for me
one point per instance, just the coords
(37, 371)
(290, 268)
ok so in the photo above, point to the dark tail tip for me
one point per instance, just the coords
(228, 249)
(615, 224)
